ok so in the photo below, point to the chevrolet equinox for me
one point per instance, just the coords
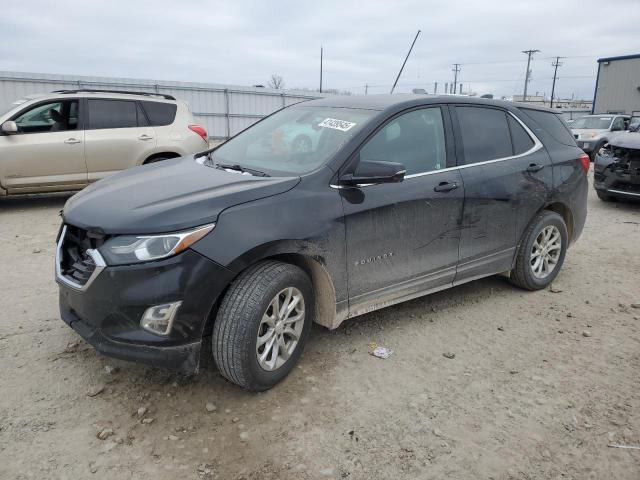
(240, 248)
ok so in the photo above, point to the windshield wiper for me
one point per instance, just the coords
(239, 168)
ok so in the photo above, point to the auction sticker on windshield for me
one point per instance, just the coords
(336, 124)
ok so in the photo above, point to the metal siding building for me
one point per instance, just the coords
(223, 110)
(618, 85)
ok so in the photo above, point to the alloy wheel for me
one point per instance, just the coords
(280, 329)
(545, 252)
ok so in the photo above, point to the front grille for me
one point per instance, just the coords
(75, 262)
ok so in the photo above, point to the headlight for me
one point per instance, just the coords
(126, 249)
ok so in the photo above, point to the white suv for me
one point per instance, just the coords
(67, 139)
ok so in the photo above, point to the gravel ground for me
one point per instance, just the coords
(539, 387)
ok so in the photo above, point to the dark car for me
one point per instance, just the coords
(616, 172)
(242, 247)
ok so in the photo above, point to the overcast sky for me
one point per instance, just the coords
(241, 42)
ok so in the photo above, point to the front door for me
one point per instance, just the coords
(402, 238)
(118, 136)
(507, 176)
(47, 153)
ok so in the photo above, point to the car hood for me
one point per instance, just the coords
(626, 140)
(583, 131)
(166, 196)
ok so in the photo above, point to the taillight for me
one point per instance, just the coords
(585, 162)
(200, 131)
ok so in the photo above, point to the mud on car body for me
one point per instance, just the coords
(242, 247)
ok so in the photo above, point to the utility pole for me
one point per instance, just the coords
(456, 68)
(366, 89)
(446, 87)
(555, 64)
(405, 62)
(435, 88)
(527, 73)
(320, 68)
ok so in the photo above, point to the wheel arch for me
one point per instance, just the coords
(323, 287)
(152, 157)
(557, 207)
(565, 212)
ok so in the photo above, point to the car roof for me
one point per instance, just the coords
(610, 115)
(400, 101)
(96, 94)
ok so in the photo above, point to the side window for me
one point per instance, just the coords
(415, 139)
(56, 116)
(553, 124)
(519, 137)
(485, 134)
(160, 114)
(618, 124)
(112, 114)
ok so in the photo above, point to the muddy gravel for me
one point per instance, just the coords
(486, 381)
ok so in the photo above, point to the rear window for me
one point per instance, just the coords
(552, 124)
(485, 134)
(112, 114)
(160, 114)
(519, 137)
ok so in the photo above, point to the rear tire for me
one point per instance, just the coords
(541, 253)
(253, 343)
(605, 197)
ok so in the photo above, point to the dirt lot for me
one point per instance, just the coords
(540, 386)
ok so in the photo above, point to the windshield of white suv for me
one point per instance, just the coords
(596, 123)
(295, 140)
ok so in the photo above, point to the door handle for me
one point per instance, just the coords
(145, 137)
(71, 141)
(445, 187)
(534, 167)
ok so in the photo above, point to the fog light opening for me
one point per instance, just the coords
(159, 318)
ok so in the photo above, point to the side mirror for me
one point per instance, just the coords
(9, 128)
(374, 172)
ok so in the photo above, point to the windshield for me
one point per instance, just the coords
(295, 140)
(597, 123)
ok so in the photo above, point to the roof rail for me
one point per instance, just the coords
(126, 92)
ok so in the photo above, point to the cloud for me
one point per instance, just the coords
(243, 42)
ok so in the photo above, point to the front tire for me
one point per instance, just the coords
(541, 253)
(263, 324)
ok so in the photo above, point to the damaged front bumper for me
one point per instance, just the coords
(107, 313)
(618, 177)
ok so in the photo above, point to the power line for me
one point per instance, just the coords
(405, 62)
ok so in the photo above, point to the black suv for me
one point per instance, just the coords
(242, 247)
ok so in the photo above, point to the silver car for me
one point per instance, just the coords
(68, 139)
(593, 131)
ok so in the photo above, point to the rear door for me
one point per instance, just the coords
(118, 136)
(507, 177)
(47, 153)
(402, 238)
